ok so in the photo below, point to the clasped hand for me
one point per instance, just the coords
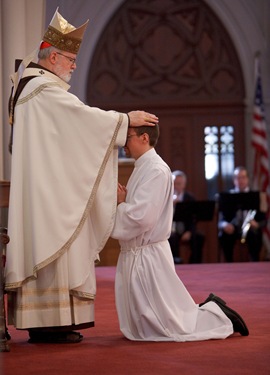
(121, 193)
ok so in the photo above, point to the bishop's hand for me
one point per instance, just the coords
(142, 118)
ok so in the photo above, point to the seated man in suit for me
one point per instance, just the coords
(230, 222)
(184, 231)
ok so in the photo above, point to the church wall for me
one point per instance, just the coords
(247, 21)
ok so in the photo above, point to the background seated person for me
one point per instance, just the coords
(230, 222)
(184, 231)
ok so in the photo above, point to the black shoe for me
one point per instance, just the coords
(238, 323)
(210, 299)
(55, 337)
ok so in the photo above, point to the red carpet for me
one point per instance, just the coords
(245, 287)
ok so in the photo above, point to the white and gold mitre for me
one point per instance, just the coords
(63, 35)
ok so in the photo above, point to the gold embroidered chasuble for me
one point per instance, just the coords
(62, 201)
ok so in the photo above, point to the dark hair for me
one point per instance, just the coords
(152, 131)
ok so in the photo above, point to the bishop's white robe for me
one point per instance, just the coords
(62, 201)
(152, 302)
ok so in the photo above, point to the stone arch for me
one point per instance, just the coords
(165, 53)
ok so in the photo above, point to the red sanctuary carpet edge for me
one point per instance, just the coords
(244, 286)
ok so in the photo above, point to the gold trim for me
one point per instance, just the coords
(61, 41)
(36, 92)
(69, 242)
(79, 294)
(88, 205)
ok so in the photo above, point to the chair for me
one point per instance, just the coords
(4, 239)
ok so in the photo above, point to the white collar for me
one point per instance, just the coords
(40, 72)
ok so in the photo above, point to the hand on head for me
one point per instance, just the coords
(141, 118)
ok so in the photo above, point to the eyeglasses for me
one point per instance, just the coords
(131, 135)
(71, 60)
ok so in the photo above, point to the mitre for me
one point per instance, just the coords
(63, 35)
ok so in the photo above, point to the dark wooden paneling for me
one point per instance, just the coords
(176, 59)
